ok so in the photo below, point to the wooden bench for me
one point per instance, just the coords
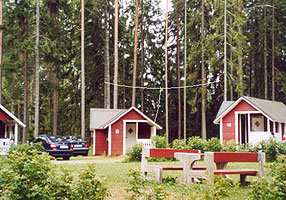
(161, 153)
(221, 159)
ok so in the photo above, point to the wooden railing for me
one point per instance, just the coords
(147, 143)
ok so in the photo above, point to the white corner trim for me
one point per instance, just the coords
(124, 137)
(16, 134)
(94, 142)
(109, 140)
(221, 131)
(236, 127)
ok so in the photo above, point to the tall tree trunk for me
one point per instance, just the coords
(185, 74)
(166, 76)
(37, 93)
(106, 59)
(135, 54)
(55, 103)
(1, 48)
(115, 92)
(179, 82)
(142, 57)
(240, 56)
(273, 54)
(265, 56)
(82, 73)
(225, 54)
(204, 89)
(25, 130)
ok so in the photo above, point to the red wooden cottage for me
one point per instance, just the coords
(9, 125)
(250, 120)
(115, 130)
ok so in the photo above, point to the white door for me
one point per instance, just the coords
(130, 134)
(257, 124)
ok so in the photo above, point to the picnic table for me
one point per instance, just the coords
(220, 159)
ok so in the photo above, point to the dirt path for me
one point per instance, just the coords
(85, 160)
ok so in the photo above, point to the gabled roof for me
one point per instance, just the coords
(274, 110)
(12, 116)
(102, 118)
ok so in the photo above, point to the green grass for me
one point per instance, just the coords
(116, 174)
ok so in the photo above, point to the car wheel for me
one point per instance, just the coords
(66, 158)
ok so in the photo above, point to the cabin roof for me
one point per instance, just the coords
(102, 118)
(14, 118)
(274, 110)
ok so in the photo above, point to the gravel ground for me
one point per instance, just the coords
(85, 160)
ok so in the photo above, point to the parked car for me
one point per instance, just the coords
(80, 146)
(55, 145)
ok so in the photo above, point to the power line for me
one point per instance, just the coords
(161, 88)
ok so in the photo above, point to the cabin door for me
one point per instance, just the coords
(130, 134)
(243, 129)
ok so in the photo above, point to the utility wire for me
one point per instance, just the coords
(162, 88)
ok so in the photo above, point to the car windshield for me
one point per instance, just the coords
(74, 138)
(55, 138)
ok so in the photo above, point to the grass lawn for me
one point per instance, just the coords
(116, 174)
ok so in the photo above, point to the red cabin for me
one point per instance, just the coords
(9, 125)
(116, 130)
(251, 120)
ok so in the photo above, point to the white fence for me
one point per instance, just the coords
(147, 143)
(4, 146)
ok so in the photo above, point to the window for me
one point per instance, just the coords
(257, 123)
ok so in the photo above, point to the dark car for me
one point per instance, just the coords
(80, 146)
(55, 145)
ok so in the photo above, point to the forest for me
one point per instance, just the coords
(216, 50)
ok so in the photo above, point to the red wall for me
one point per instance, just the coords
(3, 115)
(229, 132)
(117, 138)
(101, 145)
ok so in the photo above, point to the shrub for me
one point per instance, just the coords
(196, 142)
(213, 144)
(281, 147)
(230, 146)
(221, 189)
(272, 187)
(270, 147)
(138, 188)
(26, 173)
(179, 144)
(91, 186)
(135, 152)
(159, 142)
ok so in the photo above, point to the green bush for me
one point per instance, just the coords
(91, 186)
(270, 147)
(230, 146)
(179, 144)
(139, 189)
(281, 147)
(272, 187)
(196, 142)
(26, 173)
(221, 189)
(213, 144)
(160, 142)
(134, 153)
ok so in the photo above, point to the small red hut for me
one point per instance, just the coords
(251, 120)
(9, 125)
(115, 130)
